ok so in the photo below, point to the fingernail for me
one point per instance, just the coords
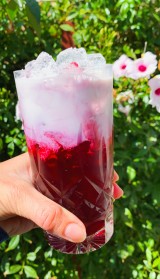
(75, 233)
(115, 177)
(118, 192)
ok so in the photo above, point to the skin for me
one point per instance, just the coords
(23, 208)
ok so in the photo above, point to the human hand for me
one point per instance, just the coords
(23, 208)
(117, 191)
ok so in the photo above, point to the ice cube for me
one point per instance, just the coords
(44, 59)
(72, 56)
(29, 67)
(43, 65)
(95, 66)
(95, 59)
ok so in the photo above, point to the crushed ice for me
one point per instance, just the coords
(43, 65)
(75, 60)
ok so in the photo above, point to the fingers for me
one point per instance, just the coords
(17, 225)
(19, 197)
(48, 215)
(117, 192)
(115, 176)
(18, 166)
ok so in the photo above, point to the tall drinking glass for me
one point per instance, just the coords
(68, 123)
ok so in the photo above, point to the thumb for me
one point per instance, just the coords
(45, 213)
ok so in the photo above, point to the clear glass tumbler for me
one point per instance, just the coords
(68, 124)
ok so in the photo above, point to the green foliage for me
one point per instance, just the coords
(111, 27)
(11, 137)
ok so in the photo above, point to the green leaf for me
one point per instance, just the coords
(67, 27)
(150, 243)
(152, 275)
(156, 16)
(18, 257)
(128, 213)
(123, 254)
(148, 254)
(48, 253)
(30, 272)
(31, 256)
(155, 254)
(53, 30)
(147, 264)
(134, 273)
(156, 192)
(156, 262)
(8, 139)
(13, 269)
(129, 51)
(12, 9)
(54, 262)
(141, 245)
(71, 16)
(38, 248)
(33, 14)
(11, 145)
(1, 144)
(18, 142)
(13, 243)
(131, 173)
(101, 17)
(20, 3)
(130, 249)
(48, 275)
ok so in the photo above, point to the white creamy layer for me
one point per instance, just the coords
(69, 106)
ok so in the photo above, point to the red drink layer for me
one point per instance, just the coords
(80, 179)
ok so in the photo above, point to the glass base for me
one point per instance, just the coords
(91, 243)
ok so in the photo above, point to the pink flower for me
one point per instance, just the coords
(154, 84)
(143, 67)
(124, 109)
(120, 66)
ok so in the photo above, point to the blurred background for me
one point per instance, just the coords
(112, 28)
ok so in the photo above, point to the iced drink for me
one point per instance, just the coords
(66, 109)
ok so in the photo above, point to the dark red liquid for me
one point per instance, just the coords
(79, 179)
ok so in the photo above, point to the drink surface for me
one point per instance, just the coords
(66, 108)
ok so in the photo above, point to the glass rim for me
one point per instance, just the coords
(98, 68)
(17, 73)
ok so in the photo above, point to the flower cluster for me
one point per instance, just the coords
(145, 66)
(140, 68)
